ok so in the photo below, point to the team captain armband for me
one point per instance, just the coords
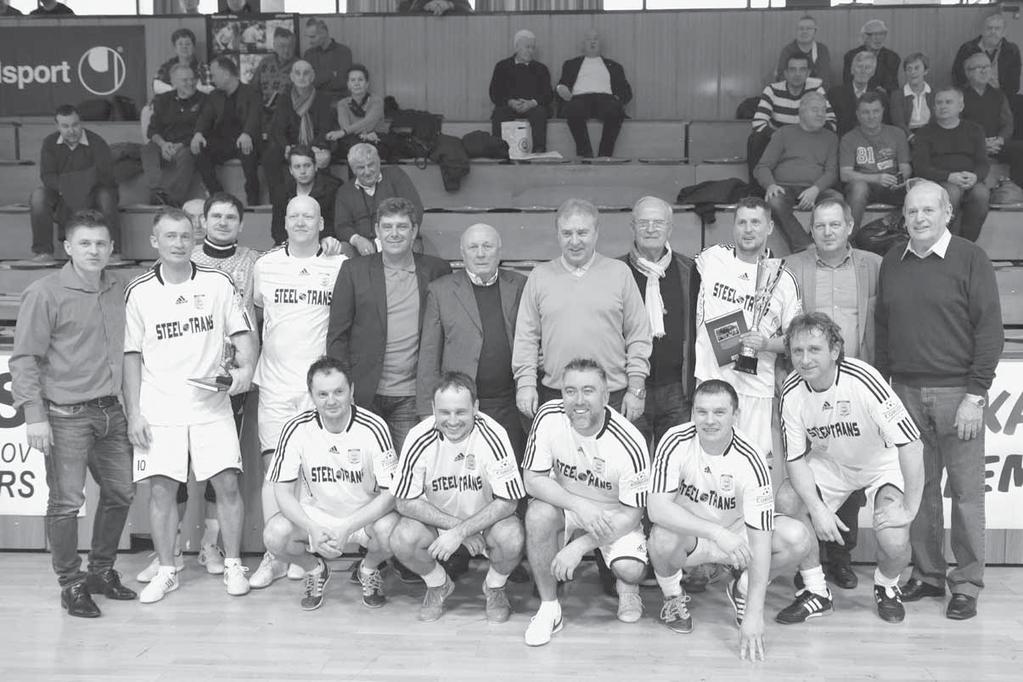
(505, 470)
(892, 410)
(637, 483)
(762, 498)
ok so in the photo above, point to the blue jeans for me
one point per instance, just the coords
(400, 414)
(934, 411)
(666, 406)
(87, 437)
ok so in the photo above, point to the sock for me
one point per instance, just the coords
(671, 586)
(366, 570)
(550, 608)
(883, 580)
(233, 561)
(814, 580)
(437, 577)
(209, 536)
(626, 588)
(169, 570)
(744, 583)
(494, 579)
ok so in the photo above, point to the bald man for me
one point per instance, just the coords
(469, 326)
(520, 88)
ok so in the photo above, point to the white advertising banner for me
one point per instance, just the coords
(23, 490)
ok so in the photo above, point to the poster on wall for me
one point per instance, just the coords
(246, 39)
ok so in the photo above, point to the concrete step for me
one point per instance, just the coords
(1010, 292)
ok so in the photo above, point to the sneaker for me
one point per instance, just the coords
(312, 597)
(162, 583)
(353, 578)
(630, 607)
(150, 571)
(738, 600)
(235, 581)
(541, 628)
(372, 589)
(295, 572)
(806, 605)
(498, 608)
(212, 557)
(675, 614)
(270, 569)
(889, 604)
(433, 602)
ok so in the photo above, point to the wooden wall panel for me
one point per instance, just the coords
(696, 67)
(652, 69)
(741, 72)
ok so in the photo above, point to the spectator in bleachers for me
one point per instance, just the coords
(874, 33)
(873, 160)
(520, 88)
(167, 159)
(437, 8)
(51, 8)
(1003, 54)
(7, 11)
(188, 6)
(912, 109)
(799, 167)
(305, 179)
(330, 59)
(229, 127)
(273, 73)
(953, 153)
(806, 44)
(360, 116)
(194, 209)
(183, 41)
(355, 211)
(593, 86)
(237, 7)
(988, 106)
(845, 98)
(77, 173)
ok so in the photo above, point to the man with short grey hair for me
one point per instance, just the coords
(520, 88)
(874, 34)
(167, 158)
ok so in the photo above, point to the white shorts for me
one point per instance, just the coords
(755, 421)
(632, 545)
(325, 518)
(274, 413)
(708, 552)
(836, 483)
(210, 448)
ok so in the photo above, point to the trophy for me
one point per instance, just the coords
(769, 272)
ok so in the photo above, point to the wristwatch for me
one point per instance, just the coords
(978, 400)
(638, 392)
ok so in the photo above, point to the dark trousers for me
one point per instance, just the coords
(970, 208)
(537, 117)
(601, 106)
(1012, 154)
(400, 414)
(46, 208)
(217, 151)
(756, 143)
(275, 171)
(504, 412)
(849, 514)
(94, 439)
(783, 209)
(859, 193)
(666, 406)
(171, 178)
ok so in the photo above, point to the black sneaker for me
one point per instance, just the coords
(806, 605)
(738, 600)
(312, 596)
(373, 589)
(675, 614)
(108, 583)
(353, 577)
(889, 606)
(405, 574)
(841, 573)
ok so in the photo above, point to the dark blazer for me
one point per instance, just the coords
(285, 124)
(620, 87)
(843, 102)
(357, 333)
(452, 334)
(249, 109)
(502, 84)
(902, 109)
(324, 190)
(1008, 66)
(887, 73)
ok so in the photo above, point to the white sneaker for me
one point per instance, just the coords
(212, 557)
(541, 627)
(270, 569)
(163, 582)
(150, 571)
(630, 607)
(295, 572)
(235, 580)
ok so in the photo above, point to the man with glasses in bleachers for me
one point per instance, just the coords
(167, 159)
(986, 105)
(806, 44)
(874, 33)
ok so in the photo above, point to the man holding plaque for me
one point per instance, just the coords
(746, 301)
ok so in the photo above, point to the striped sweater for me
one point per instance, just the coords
(778, 107)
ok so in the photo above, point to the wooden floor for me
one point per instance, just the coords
(200, 633)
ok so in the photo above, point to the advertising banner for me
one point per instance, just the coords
(23, 489)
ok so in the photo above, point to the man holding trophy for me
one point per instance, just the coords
(746, 301)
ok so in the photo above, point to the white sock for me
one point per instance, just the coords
(671, 586)
(209, 536)
(814, 580)
(883, 580)
(168, 570)
(494, 579)
(437, 577)
(232, 561)
(550, 608)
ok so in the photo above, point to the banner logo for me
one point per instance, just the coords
(102, 70)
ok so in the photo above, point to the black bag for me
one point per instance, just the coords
(706, 195)
(881, 235)
(479, 144)
(449, 154)
(123, 109)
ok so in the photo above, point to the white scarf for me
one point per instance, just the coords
(654, 271)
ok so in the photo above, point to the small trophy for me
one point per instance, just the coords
(223, 380)
(769, 272)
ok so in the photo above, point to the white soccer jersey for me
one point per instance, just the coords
(724, 488)
(294, 294)
(341, 472)
(180, 330)
(857, 423)
(609, 468)
(729, 284)
(461, 478)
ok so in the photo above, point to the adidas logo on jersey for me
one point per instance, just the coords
(333, 450)
(181, 299)
(744, 276)
(460, 456)
(304, 272)
(826, 406)
(706, 470)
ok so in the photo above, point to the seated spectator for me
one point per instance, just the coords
(7, 11)
(167, 158)
(873, 159)
(912, 109)
(77, 174)
(520, 88)
(437, 8)
(360, 116)
(874, 33)
(229, 128)
(845, 98)
(1003, 54)
(593, 86)
(330, 59)
(305, 179)
(188, 6)
(273, 73)
(806, 44)
(799, 166)
(51, 8)
(236, 7)
(989, 107)
(183, 41)
(953, 153)
(355, 210)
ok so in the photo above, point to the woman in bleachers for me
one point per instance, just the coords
(360, 116)
(183, 41)
(912, 107)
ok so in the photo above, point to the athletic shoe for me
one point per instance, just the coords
(372, 589)
(841, 573)
(235, 581)
(675, 614)
(738, 600)
(353, 578)
(312, 597)
(630, 607)
(212, 557)
(150, 571)
(433, 602)
(889, 604)
(270, 569)
(498, 608)
(405, 574)
(163, 582)
(806, 605)
(295, 572)
(541, 628)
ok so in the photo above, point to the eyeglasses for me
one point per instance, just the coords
(647, 224)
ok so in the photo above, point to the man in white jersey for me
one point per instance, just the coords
(728, 274)
(846, 430)
(179, 316)
(292, 285)
(458, 484)
(588, 469)
(711, 501)
(346, 459)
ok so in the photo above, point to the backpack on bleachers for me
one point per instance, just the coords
(881, 235)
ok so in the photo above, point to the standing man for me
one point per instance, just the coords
(521, 88)
(939, 337)
(167, 159)
(581, 302)
(874, 33)
(66, 371)
(330, 60)
(1004, 56)
(272, 76)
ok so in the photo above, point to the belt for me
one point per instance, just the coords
(101, 402)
